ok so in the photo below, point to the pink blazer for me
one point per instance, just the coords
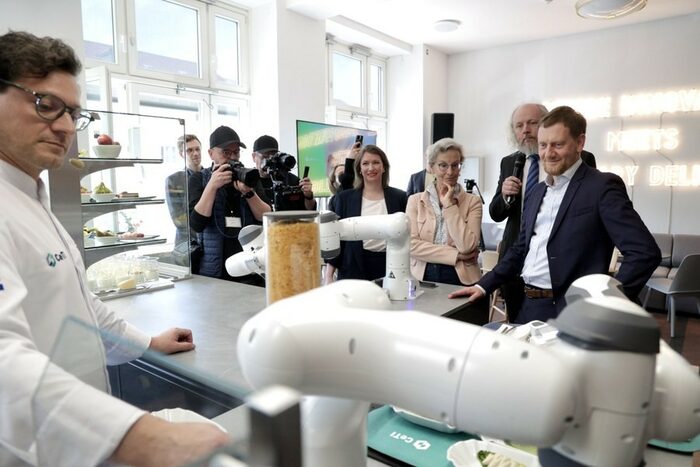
(463, 223)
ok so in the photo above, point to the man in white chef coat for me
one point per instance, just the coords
(42, 281)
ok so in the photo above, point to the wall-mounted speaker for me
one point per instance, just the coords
(442, 126)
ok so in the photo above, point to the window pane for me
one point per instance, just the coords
(226, 33)
(167, 37)
(347, 80)
(376, 86)
(98, 30)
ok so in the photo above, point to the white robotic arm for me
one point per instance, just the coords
(394, 228)
(593, 405)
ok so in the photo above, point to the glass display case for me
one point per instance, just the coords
(124, 190)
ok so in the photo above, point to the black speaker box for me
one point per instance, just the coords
(442, 126)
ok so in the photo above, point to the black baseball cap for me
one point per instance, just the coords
(223, 136)
(266, 144)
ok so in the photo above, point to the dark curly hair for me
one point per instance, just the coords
(24, 55)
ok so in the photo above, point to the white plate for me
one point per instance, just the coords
(140, 239)
(128, 199)
(178, 415)
(466, 453)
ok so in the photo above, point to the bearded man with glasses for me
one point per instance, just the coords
(43, 282)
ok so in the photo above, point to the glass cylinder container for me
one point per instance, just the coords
(293, 250)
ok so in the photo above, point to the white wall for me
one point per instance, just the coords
(484, 87)
(45, 18)
(288, 82)
(301, 42)
(434, 89)
(264, 67)
(405, 112)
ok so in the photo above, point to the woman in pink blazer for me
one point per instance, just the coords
(445, 221)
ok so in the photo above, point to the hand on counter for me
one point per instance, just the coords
(172, 341)
(472, 292)
(154, 442)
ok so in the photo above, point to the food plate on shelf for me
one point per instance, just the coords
(133, 198)
(137, 239)
(100, 241)
(103, 197)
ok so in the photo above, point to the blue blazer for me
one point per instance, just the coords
(348, 203)
(595, 215)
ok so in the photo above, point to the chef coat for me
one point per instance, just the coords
(42, 282)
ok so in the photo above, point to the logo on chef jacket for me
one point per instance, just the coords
(53, 258)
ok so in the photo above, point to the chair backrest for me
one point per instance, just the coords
(665, 243)
(687, 278)
(489, 258)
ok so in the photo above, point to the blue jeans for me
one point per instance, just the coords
(441, 273)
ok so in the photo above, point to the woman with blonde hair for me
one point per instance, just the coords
(445, 221)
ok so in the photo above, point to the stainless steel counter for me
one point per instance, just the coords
(216, 310)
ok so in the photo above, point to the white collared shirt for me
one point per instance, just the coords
(536, 267)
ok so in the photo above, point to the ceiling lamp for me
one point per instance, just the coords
(446, 25)
(608, 9)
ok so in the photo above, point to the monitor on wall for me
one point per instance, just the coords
(322, 147)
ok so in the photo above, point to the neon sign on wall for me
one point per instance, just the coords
(654, 139)
(659, 175)
(643, 140)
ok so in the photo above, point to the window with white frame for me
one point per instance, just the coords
(357, 80)
(191, 42)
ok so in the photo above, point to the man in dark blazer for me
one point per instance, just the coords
(524, 125)
(416, 184)
(570, 226)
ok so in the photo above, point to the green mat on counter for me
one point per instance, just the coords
(688, 446)
(396, 437)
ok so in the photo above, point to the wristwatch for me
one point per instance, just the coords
(249, 194)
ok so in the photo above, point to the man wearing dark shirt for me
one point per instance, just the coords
(264, 148)
(190, 149)
(221, 206)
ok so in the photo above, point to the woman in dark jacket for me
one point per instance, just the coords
(372, 195)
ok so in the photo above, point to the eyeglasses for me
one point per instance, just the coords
(230, 152)
(442, 167)
(51, 108)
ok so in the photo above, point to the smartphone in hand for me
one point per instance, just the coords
(358, 139)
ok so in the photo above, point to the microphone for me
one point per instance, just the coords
(518, 173)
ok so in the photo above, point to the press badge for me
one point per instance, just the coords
(233, 222)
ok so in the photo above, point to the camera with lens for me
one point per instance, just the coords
(279, 164)
(286, 196)
(248, 176)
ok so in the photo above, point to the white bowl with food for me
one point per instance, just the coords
(85, 197)
(103, 197)
(107, 151)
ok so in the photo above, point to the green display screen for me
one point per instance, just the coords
(323, 147)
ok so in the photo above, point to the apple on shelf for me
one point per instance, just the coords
(106, 146)
(104, 139)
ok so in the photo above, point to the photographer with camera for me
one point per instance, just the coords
(224, 201)
(279, 187)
